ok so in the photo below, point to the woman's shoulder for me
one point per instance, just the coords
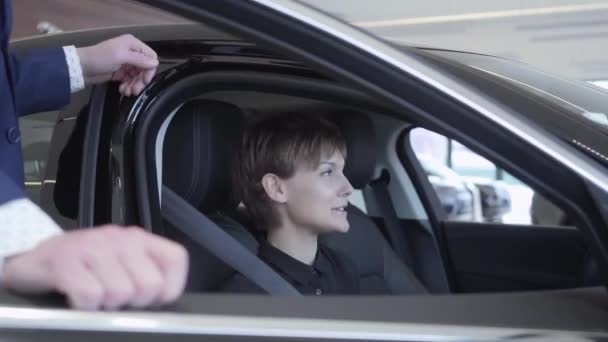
(336, 256)
(344, 267)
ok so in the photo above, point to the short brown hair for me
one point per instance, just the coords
(279, 145)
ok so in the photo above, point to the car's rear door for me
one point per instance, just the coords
(530, 245)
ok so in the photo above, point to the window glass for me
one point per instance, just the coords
(356, 199)
(602, 84)
(471, 188)
(51, 143)
(36, 133)
(32, 17)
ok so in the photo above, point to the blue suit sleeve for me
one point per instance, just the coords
(41, 80)
(8, 189)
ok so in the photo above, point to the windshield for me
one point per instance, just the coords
(31, 17)
(586, 100)
(567, 37)
(577, 112)
(526, 37)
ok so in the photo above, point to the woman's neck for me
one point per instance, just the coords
(300, 244)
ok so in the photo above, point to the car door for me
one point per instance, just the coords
(522, 241)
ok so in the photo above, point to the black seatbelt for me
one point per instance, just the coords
(394, 232)
(201, 229)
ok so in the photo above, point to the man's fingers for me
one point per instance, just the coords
(127, 89)
(138, 59)
(145, 275)
(138, 85)
(133, 85)
(116, 59)
(123, 89)
(139, 46)
(82, 289)
(133, 72)
(132, 82)
(172, 260)
(107, 268)
(143, 79)
(131, 50)
(149, 75)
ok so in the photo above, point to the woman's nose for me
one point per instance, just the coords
(347, 188)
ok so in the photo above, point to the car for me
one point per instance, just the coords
(162, 160)
(492, 198)
(495, 198)
(543, 212)
(460, 199)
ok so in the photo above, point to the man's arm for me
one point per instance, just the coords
(17, 211)
(44, 78)
(10, 191)
(41, 80)
(103, 268)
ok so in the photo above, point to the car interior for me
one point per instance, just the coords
(210, 131)
(396, 236)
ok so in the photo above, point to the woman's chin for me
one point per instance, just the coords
(337, 226)
(343, 228)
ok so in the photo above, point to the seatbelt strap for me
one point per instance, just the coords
(397, 236)
(201, 229)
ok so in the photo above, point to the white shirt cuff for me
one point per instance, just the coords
(75, 69)
(22, 226)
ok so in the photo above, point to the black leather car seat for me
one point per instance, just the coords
(199, 146)
(378, 264)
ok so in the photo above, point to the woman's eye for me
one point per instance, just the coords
(326, 173)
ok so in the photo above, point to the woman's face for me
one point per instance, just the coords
(316, 199)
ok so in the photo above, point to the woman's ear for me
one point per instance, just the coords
(274, 187)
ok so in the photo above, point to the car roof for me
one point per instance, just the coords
(164, 32)
(156, 32)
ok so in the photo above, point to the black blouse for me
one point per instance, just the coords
(330, 273)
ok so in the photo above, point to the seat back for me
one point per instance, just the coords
(199, 146)
(380, 268)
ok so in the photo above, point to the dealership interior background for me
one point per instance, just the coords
(567, 37)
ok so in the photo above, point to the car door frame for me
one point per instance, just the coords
(88, 174)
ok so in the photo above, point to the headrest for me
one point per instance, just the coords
(358, 131)
(200, 144)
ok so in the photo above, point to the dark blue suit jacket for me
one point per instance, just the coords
(30, 82)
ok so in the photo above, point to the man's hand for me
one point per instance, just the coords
(125, 59)
(102, 268)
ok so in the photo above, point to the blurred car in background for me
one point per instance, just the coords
(460, 199)
(495, 198)
(543, 212)
(467, 198)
